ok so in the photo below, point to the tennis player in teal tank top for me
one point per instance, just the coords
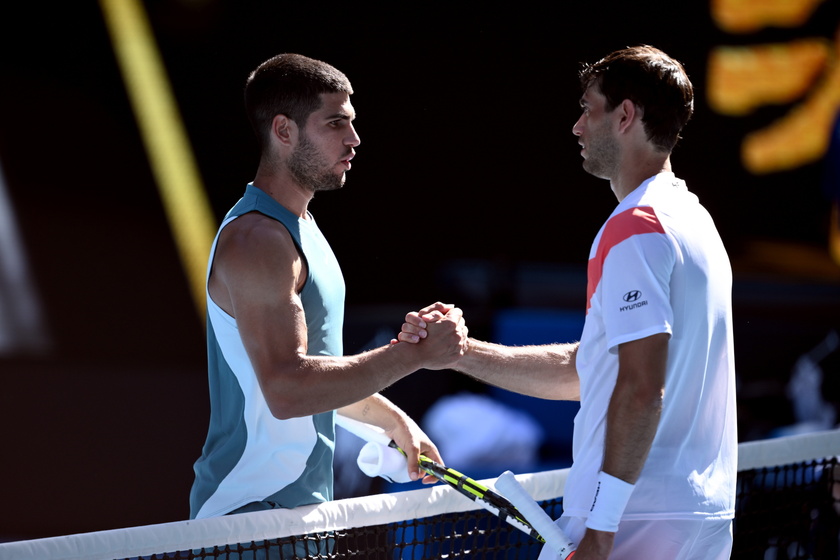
(275, 312)
(281, 462)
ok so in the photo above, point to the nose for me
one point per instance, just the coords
(577, 129)
(353, 139)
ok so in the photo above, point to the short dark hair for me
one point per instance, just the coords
(289, 84)
(653, 81)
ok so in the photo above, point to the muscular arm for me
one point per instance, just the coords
(256, 275)
(632, 421)
(635, 406)
(545, 371)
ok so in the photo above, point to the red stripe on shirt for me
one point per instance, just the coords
(620, 227)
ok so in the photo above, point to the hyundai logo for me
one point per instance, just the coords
(632, 295)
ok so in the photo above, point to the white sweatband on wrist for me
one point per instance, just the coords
(611, 497)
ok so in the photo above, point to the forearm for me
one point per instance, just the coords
(376, 410)
(546, 371)
(635, 406)
(309, 385)
(632, 421)
(631, 426)
(398, 426)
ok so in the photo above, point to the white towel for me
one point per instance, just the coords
(376, 459)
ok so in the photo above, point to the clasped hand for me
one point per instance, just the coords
(441, 326)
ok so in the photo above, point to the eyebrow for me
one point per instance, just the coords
(341, 115)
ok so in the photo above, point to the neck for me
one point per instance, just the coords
(285, 190)
(633, 176)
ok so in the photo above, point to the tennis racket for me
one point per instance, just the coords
(553, 535)
(483, 496)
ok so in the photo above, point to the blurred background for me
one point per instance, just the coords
(467, 188)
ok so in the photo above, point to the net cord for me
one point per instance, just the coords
(788, 449)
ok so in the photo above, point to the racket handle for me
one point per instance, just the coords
(554, 536)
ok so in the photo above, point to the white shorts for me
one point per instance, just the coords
(670, 539)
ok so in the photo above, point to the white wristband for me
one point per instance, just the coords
(611, 497)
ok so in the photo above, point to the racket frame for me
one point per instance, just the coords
(493, 502)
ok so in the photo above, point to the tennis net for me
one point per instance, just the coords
(788, 507)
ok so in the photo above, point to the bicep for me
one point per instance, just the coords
(642, 363)
(260, 268)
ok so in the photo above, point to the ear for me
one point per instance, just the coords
(628, 113)
(284, 130)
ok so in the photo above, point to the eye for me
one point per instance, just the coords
(340, 122)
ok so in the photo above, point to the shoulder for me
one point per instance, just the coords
(634, 236)
(631, 222)
(253, 227)
(254, 235)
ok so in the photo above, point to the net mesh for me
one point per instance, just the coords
(788, 507)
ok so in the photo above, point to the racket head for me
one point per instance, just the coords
(554, 536)
(477, 492)
(496, 504)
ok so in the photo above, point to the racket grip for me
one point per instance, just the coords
(554, 536)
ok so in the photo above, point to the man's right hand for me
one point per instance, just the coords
(416, 323)
(444, 327)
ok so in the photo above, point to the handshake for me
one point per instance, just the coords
(439, 333)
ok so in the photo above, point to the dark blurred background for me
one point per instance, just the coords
(467, 188)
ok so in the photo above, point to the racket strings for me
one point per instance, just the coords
(488, 499)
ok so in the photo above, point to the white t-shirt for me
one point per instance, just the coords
(658, 265)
